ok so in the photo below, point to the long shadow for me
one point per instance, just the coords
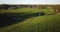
(7, 19)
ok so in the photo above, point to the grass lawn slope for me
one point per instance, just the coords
(47, 23)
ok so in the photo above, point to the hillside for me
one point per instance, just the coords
(36, 24)
(50, 22)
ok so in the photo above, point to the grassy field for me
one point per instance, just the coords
(32, 10)
(46, 23)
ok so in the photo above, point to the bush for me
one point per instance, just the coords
(41, 13)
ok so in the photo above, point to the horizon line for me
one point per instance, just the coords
(31, 4)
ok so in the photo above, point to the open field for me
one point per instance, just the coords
(32, 10)
(46, 23)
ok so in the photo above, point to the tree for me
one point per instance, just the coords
(4, 7)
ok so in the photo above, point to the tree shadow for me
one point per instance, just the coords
(7, 19)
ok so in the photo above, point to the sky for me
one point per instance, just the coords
(29, 1)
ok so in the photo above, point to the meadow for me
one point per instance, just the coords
(50, 22)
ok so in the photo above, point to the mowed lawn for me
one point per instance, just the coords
(46, 23)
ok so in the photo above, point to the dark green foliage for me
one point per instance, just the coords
(4, 7)
(8, 19)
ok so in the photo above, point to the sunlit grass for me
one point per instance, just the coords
(40, 23)
(32, 10)
(35, 24)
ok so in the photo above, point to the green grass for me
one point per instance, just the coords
(21, 10)
(35, 24)
(32, 10)
(49, 23)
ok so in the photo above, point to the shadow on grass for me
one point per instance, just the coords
(7, 19)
